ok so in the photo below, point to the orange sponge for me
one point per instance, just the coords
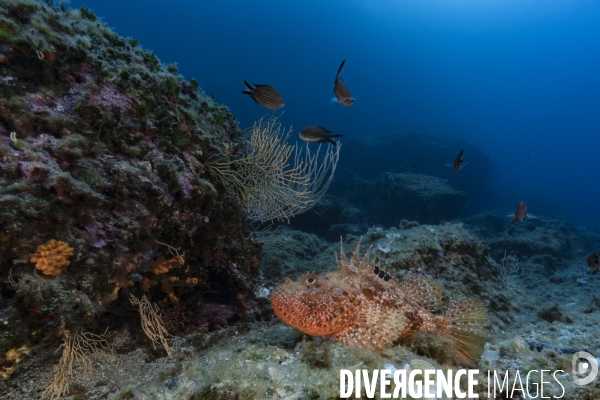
(51, 258)
(161, 265)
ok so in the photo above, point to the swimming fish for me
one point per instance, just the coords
(317, 134)
(342, 93)
(264, 95)
(360, 305)
(458, 162)
(520, 213)
(593, 261)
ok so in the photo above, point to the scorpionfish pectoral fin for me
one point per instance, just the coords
(427, 293)
(468, 327)
(375, 327)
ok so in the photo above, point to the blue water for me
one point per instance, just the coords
(518, 79)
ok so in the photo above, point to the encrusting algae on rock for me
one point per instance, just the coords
(361, 306)
(52, 257)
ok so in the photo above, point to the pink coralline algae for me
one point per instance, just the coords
(185, 186)
(80, 72)
(135, 209)
(34, 171)
(48, 104)
(108, 97)
(98, 231)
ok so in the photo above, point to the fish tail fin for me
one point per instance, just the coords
(331, 141)
(468, 328)
(336, 135)
(340, 68)
(249, 86)
(333, 100)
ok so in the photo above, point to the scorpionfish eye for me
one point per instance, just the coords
(311, 279)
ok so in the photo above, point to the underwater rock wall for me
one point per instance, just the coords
(369, 156)
(102, 148)
(385, 201)
(423, 198)
(331, 218)
(549, 243)
(426, 189)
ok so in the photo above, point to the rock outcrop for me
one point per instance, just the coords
(417, 197)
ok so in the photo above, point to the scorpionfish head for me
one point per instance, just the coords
(317, 305)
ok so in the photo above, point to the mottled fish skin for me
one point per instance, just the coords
(361, 306)
(458, 162)
(593, 261)
(520, 213)
(342, 93)
(264, 95)
(317, 134)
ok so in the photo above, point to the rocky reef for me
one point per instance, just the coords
(368, 155)
(385, 179)
(424, 198)
(102, 148)
(384, 201)
(529, 327)
(549, 243)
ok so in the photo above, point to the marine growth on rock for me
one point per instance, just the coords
(52, 257)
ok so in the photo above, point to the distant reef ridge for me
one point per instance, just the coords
(367, 157)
